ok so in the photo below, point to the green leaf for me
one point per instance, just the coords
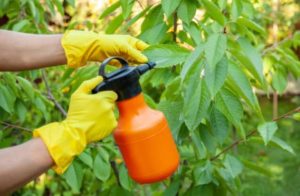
(183, 37)
(125, 180)
(279, 81)
(172, 111)
(59, 7)
(172, 189)
(251, 59)
(194, 31)
(296, 39)
(248, 9)
(150, 102)
(289, 61)
(51, 7)
(74, 176)
(21, 110)
(215, 76)
(296, 116)
(199, 145)
(110, 9)
(86, 158)
(40, 105)
(204, 190)
(239, 83)
(251, 25)
(172, 90)
(102, 167)
(33, 9)
(126, 7)
(214, 12)
(196, 97)
(192, 59)
(158, 77)
(118, 191)
(71, 2)
(166, 55)
(222, 4)
(26, 87)
(10, 80)
(208, 139)
(203, 174)
(20, 25)
(114, 24)
(155, 34)
(233, 165)
(231, 107)
(187, 10)
(267, 130)
(134, 19)
(219, 125)
(236, 8)
(7, 99)
(154, 17)
(215, 48)
(255, 167)
(282, 144)
(169, 6)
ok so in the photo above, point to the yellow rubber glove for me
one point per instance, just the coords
(83, 46)
(90, 118)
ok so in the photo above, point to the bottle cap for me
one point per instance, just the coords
(124, 81)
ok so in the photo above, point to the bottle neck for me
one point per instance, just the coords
(130, 106)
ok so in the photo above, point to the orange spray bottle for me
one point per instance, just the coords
(143, 135)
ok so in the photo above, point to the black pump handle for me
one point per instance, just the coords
(123, 62)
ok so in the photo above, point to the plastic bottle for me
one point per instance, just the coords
(143, 135)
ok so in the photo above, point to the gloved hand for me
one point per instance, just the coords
(90, 118)
(83, 46)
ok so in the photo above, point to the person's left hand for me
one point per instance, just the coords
(90, 118)
(83, 46)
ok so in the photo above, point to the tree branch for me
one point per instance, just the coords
(140, 4)
(50, 95)
(275, 45)
(116, 171)
(14, 126)
(175, 25)
(237, 142)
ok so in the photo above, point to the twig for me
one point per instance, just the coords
(14, 126)
(287, 94)
(274, 33)
(275, 104)
(287, 114)
(116, 171)
(50, 95)
(175, 18)
(275, 45)
(140, 4)
(237, 142)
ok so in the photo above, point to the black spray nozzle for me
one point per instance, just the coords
(144, 68)
(124, 81)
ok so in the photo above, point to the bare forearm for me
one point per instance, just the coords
(22, 163)
(21, 51)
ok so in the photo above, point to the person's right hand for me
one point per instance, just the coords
(90, 118)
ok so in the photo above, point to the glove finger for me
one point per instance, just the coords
(140, 45)
(108, 95)
(136, 56)
(88, 85)
(137, 44)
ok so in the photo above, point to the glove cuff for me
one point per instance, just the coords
(63, 143)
